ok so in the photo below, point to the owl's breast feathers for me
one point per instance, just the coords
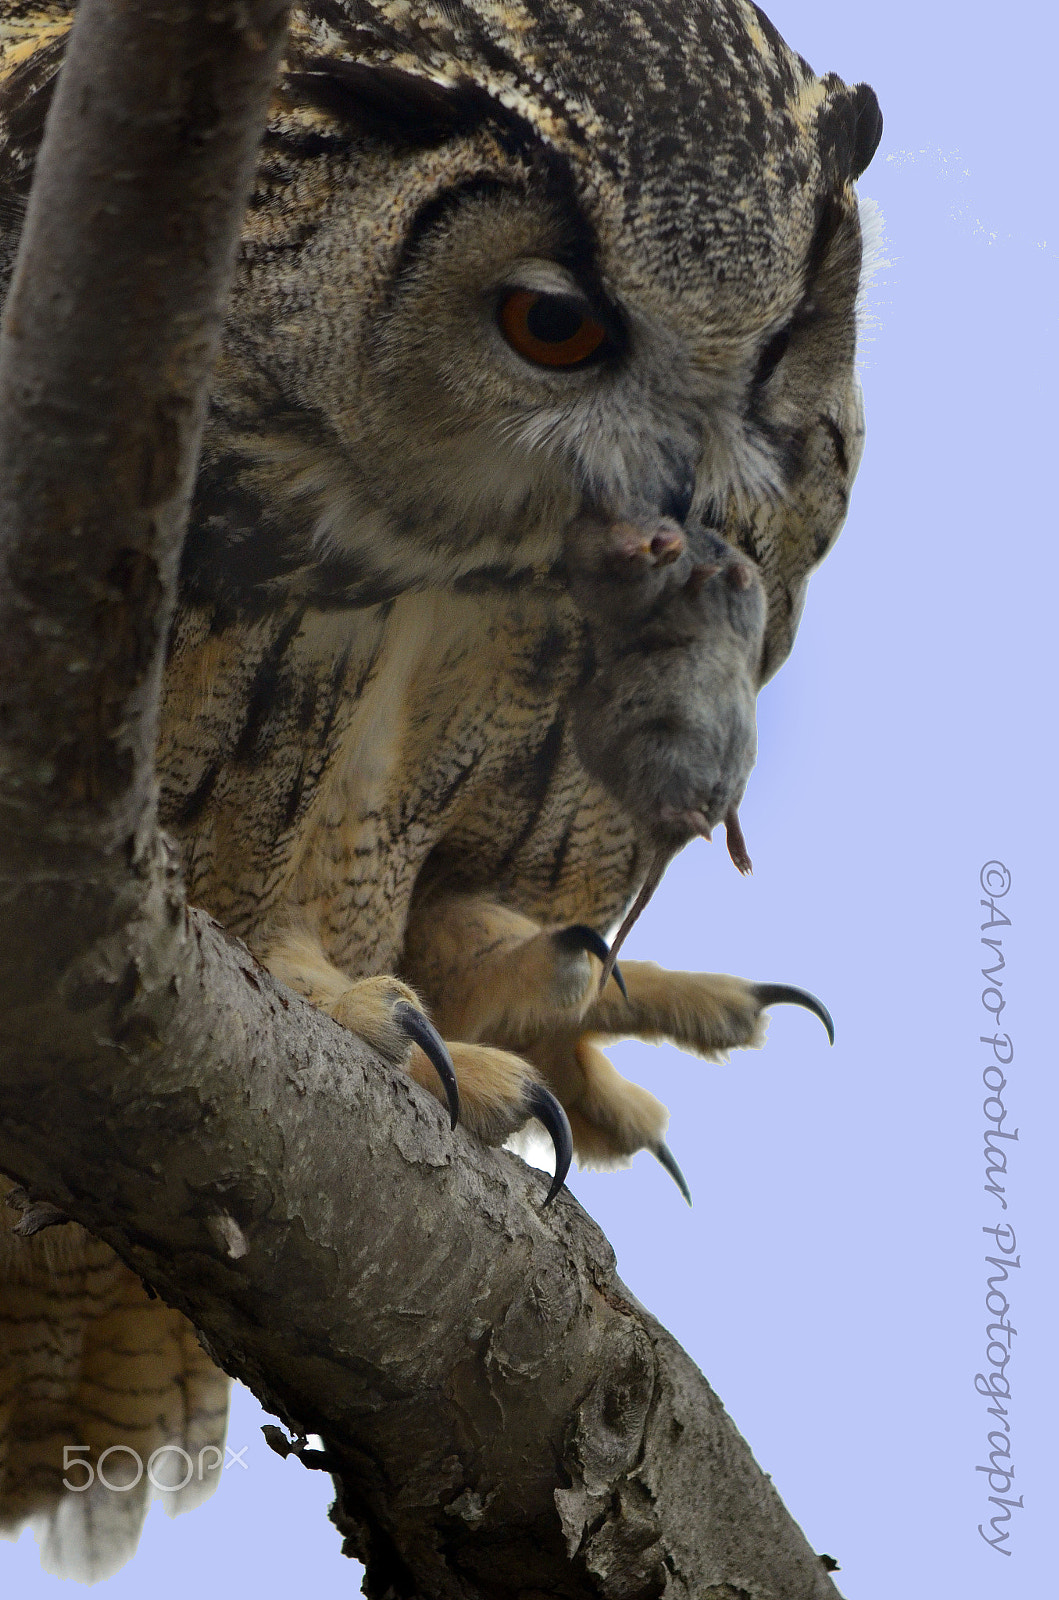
(367, 699)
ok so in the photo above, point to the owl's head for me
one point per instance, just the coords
(518, 262)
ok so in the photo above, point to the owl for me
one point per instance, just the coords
(506, 267)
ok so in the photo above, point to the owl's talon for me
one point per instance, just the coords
(664, 1156)
(578, 936)
(422, 1032)
(776, 994)
(543, 1105)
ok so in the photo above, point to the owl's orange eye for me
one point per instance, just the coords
(554, 330)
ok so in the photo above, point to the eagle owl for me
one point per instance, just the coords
(506, 265)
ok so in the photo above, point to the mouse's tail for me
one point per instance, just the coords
(654, 878)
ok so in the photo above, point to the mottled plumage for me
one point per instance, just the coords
(506, 265)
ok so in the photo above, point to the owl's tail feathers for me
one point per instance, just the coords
(107, 1401)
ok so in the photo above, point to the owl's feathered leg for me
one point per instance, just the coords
(490, 974)
(384, 1012)
(497, 1090)
(708, 1013)
(611, 1118)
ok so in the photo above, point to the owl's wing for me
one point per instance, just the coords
(106, 1401)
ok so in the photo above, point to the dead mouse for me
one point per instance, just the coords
(666, 720)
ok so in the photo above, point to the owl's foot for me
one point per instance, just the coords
(788, 994)
(422, 1032)
(610, 1117)
(665, 1158)
(386, 1014)
(498, 1093)
(489, 973)
(492, 1092)
(708, 1013)
(493, 975)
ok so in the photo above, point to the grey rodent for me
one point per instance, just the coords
(666, 720)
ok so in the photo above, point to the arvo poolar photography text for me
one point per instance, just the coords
(994, 1384)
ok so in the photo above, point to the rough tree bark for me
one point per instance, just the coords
(502, 1418)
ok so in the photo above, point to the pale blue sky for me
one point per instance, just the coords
(830, 1279)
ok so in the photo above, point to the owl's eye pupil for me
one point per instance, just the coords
(551, 330)
(554, 319)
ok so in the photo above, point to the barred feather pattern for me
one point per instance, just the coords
(91, 1365)
(366, 755)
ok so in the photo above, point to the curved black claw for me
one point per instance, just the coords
(579, 936)
(785, 994)
(426, 1036)
(545, 1107)
(664, 1155)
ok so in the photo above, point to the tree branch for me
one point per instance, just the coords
(503, 1419)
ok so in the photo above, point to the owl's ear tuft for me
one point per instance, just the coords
(867, 126)
(385, 102)
(849, 128)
